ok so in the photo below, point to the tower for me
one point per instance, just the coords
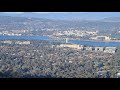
(66, 40)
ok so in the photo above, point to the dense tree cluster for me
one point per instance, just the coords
(41, 60)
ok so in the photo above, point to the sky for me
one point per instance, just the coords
(75, 15)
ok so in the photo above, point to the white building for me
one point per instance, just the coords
(7, 42)
(99, 48)
(110, 50)
(89, 48)
(101, 38)
(22, 42)
(118, 75)
(74, 46)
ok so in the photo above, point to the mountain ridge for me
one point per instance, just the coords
(112, 19)
(61, 15)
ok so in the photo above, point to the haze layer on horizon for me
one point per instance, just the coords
(66, 15)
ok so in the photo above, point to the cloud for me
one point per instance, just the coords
(51, 12)
(13, 12)
(41, 12)
(44, 12)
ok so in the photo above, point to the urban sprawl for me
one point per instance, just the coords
(55, 59)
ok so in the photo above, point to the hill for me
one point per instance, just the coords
(15, 22)
(111, 19)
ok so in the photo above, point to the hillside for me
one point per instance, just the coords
(111, 19)
(8, 23)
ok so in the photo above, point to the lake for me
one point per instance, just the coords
(95, 43)
(25, 37)
(91, 43)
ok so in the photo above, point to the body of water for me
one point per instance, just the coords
(25, 37)
(95, 43)
(91, 43)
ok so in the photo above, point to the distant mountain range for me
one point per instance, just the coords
(8, 23)
(55, 16)
(107, 17)
(111, 19)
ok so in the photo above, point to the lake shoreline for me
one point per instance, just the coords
(62, 40)
(82, 39)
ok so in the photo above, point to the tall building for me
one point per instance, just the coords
(66, 40)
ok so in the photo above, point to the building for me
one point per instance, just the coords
(66, 40)
(95, 49)
(88, 48)
(99, 48)
(101, 38)
(7, 42)
(22, 42)
(110, 50)
(113, 48)
(107, 38)
(74, 46)
(81, 47)
(118, 75)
